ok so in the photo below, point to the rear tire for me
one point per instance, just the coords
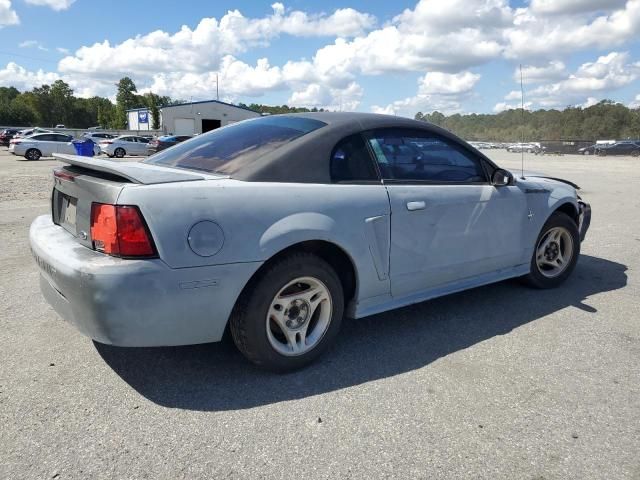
(289, 313)
(556, 252)
(119, 152)
(33, 154)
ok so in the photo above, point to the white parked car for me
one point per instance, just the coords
(30, 131)
(98, 137)
(124, 145)
(44, 145)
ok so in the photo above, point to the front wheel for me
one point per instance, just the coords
(289, 314)
(556, 252)
(119, 152)
(635, 153)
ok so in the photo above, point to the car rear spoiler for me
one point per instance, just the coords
(135, 172)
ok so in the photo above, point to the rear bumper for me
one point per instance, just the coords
(584, 219)
(134, 302)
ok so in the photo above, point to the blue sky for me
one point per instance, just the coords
(394, 57)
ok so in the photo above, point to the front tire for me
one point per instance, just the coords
(556, 252)
(33, 154)
(289, 314)
(119, 152)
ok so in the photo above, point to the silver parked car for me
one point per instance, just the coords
(44, 145)
(278, 226)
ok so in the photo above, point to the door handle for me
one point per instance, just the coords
(412, 206)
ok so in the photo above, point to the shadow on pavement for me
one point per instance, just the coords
(216, 376)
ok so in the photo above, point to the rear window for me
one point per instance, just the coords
(227, 150)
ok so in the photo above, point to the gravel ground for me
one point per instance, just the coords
(497, 382)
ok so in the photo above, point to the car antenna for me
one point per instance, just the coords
(522, 147)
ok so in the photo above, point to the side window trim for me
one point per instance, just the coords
(368, 135)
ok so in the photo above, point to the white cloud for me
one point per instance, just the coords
(322, 96)
(201, 49)
(554, 7)
(64, 51)
(636, 102)
(606, 74)
(8, 16)
(502, 106)
(33, 44)
(13, 75)
(554, 70)
(590, 102)
(436, 91)
(543, 36)
(54, 4)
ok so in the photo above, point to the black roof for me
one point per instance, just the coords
(306, 159)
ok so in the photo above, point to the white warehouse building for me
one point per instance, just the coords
(190, 118)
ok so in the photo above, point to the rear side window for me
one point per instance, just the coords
(351, 161)
(229, 149)
(422, 156)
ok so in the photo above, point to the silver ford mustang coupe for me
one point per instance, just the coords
(279, 226)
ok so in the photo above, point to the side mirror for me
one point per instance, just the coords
(502, 178)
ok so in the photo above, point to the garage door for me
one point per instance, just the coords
(185, 126)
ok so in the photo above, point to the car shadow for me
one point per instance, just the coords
(216, 377)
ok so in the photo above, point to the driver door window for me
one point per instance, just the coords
(406, 155)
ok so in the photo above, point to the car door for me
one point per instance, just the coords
(141, 145)
(63, 144)
(45, 142)
(448, 222)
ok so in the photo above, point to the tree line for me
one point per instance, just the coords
(50, 105)
(604, 120)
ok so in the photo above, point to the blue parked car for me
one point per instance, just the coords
(279, 226)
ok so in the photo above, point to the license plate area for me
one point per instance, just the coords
(65, 211)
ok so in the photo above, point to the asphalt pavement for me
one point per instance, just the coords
(500, 382)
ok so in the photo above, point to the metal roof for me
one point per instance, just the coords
(195, 103)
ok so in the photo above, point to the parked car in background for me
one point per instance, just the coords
(44, 145)
(280, 225)
(522, 147)
(6, 135)
(124, 145)
(590, 150)
(97, 137)
(30, 131)
(623, 147)
(166, 141)
(60, 125)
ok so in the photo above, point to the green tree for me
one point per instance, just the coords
(62, 102)
(152, 102)
(126, 99)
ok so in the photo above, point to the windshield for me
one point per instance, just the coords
(229, 149)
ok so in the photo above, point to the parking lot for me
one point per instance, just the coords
(497, 382)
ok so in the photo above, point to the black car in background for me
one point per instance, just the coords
(6, 135)
(165, 141)
(624, 147)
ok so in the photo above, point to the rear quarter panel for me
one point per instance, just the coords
(261, 219)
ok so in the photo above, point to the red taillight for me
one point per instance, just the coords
(119, 230)
(106, 142)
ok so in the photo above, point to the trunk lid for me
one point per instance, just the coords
(87, 180)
